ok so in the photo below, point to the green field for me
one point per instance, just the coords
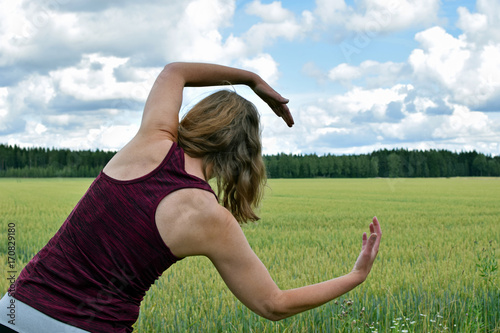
(434, 273)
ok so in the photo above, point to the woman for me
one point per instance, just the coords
(152, 206)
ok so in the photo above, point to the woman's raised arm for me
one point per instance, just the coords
(161, 112)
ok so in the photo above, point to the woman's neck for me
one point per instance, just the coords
(194, 166)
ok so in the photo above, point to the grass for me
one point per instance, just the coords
(440, 238)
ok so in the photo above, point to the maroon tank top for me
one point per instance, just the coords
(95, 271)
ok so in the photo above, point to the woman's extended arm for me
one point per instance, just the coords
(221, 239)
(161, 112)
(249, 280)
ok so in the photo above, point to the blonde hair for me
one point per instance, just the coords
(223, 130)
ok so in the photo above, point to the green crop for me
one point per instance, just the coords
(436, 270)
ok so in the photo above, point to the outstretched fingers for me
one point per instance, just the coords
(372, 241)
(369, 250)
(276, 102)
(371, 244)
(365, 240)
(377, 230)
(283, 111)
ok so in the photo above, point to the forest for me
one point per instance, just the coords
(45, 162)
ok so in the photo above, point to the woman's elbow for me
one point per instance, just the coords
(272, 310)
(275, 317)
(171, 68)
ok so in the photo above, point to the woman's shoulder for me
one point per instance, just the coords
(198, 205)
(189, 220)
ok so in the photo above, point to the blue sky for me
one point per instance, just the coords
(360, 75)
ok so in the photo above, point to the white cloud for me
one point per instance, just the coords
(374, 74)
(471, 23)
(152, 33)
(441, 57)
(35, 128)
(58, 120)
(463, 69)
(44, 109)
(271, 13)
(361, 120)
(196, 35)
(344, 72)
(317, 118)
(358, 99)
(478, 85)
(3, 107)
(389, 15)
(24, 102)
(18, 24)
(331, 11)
(112, 137)
(94, 79)
(463, 123)
(265, 33)
(491, 8)
(373, 17)
(264, 65)
(470, 73)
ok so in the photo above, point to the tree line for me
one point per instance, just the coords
(384, 163)
(45, 162)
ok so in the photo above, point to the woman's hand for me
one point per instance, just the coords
(276, 102)
(369, 251)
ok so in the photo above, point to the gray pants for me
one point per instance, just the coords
(30, 320)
